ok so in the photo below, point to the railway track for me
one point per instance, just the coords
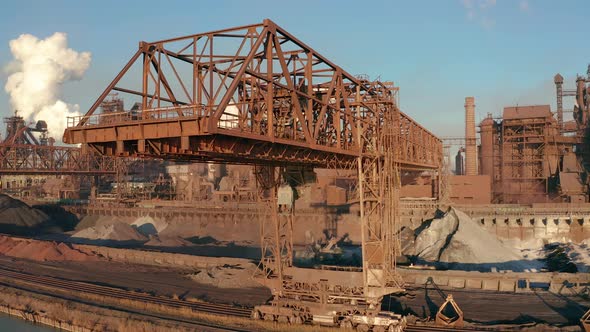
(76, 286)
(423, 328)
(203, 307)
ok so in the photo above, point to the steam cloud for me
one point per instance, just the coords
(37, 73)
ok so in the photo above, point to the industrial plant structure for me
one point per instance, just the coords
(274, 128)
(532, 155)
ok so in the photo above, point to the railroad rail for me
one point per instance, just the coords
(208, 308)
(76, 286)
(427, 328)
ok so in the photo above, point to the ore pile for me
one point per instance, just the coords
(118, 232)
(17, 217)
(457, 242)
(41, 250)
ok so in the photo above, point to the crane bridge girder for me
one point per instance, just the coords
(208, 96)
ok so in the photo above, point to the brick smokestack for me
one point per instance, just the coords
(470, 141)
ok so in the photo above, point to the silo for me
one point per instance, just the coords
(459, 167)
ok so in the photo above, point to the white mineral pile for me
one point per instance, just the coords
(16, 213)
(95, 220)
(131, 229)
(532, 249)
(149, 226)
(113, 232)
(458, 242)
(39, 69)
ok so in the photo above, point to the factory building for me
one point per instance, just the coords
(529, 158)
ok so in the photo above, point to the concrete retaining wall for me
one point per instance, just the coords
(562, 283)
(574, 228)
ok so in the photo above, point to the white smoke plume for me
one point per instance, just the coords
(37, 73)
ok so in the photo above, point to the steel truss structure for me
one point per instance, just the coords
(529, 150)
(276, 228)
(257, 95)
(523, 150)
(28, 159)
(248, 94)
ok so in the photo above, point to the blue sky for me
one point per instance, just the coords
(503, 52)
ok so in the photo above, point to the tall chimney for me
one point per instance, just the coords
(470, 141)
(558, 79)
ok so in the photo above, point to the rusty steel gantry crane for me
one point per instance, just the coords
(257, 95)
(21, 153)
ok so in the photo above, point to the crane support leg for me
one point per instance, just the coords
(276, 227)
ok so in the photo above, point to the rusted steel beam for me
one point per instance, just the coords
(108, 89)
(263, 85)
(55, 160)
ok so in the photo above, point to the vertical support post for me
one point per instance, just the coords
(309, 89)
(184, 143)
(159, 72)
(443, 176)
(120, 147)
(146, 70)
(93, 188)
(210, 70)
(378, 196)
(196, 73)
(120, 173)
(141, 146)
(269, 100)
(361, 189)
(276, 230)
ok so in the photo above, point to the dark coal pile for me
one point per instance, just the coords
(558, 260)
(17, 217)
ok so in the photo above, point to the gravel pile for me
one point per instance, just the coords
(227, 276)
(115, 232)
(16, 213)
